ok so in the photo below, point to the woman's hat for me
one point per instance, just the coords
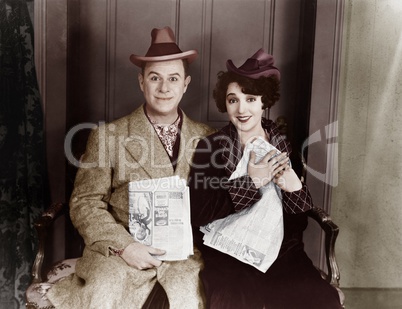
(260, 64)
(163, 48)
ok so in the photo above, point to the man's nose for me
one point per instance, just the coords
(164, 86)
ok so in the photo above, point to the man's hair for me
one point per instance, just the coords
(267, 87)
(185, 65)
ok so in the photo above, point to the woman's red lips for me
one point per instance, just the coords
(243, 118)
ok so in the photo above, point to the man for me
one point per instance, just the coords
(152, 142)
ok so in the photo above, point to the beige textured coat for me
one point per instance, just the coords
(127, 149)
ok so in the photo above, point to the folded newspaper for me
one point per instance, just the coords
(253, 235)
(159, 216)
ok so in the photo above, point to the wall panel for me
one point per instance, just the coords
(211, 27)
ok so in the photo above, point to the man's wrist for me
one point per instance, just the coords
(116, 252)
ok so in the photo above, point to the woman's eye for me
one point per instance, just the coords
(252, 99)
(232, 101)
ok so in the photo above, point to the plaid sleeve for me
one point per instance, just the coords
(297, 201)
(243, 193)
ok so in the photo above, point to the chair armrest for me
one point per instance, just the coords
(42, 225)
(331, 233)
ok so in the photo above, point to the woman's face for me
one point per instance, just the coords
(244, 110)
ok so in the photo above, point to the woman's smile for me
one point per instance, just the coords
(243, 119)
(244, 111)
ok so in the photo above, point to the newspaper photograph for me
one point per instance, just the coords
(159, 216)
(253, 235)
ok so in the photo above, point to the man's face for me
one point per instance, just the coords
(163, 85)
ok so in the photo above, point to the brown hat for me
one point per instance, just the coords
(163, 48)
(260, 64)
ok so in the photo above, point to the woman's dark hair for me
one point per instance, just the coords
(267, 87)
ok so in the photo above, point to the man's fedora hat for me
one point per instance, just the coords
(260, 64)
(163, 48)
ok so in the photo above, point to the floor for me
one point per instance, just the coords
(359, 298)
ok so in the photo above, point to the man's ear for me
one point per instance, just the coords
(141, 81)
(186, 82)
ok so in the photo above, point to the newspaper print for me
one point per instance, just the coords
(254, 235)
(159, 216)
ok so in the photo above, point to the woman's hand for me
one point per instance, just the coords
(288, 181)
(270, 166)
(140, 256)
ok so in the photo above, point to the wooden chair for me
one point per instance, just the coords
(45, 274)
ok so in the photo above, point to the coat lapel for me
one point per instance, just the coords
(231, 148)
(188, 143)
(145, 147)
(147, 152)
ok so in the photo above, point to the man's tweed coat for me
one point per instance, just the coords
(124, 150)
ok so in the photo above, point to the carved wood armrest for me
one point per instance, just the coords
(331, 233)
(42, 225)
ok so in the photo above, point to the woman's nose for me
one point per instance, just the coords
(242, 107)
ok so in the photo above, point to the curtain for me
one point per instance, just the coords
(22, 167)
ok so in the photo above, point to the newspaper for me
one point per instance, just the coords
(253, 235)
(159, 216)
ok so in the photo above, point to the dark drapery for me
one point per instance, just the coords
(22, 168)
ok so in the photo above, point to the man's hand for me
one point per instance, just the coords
(140, 256)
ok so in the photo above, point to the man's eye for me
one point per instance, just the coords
(154, 78)
(173, 79)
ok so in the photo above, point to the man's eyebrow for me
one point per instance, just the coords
(156, 73)
(153, 72)
(175, 74)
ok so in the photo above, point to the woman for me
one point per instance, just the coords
(291, 282)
